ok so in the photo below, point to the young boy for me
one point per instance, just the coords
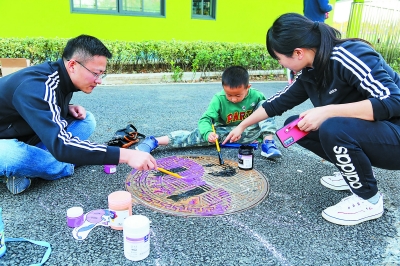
(226, 110)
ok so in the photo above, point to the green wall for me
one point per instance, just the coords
(243, 21)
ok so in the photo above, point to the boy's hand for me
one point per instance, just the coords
(212, 137)
(234, 135)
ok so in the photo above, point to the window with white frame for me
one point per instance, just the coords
(120, 7)
(203, 9)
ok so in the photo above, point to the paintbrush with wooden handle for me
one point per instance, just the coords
(221, 161)
(162, 170)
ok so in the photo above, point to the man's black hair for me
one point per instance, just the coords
(85, 47)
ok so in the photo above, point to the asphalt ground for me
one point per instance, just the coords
(285, 229)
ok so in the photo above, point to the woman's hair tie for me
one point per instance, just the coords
(315, 26)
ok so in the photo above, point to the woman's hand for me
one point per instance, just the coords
(313, 118)
(234, 135)
(257, 116)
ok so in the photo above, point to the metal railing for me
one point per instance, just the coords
(377, 22)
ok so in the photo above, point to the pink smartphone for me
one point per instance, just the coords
(290, 133)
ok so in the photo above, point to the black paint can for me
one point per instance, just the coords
(246, 157)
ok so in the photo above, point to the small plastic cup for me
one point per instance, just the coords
(75, 217)
(110, 169)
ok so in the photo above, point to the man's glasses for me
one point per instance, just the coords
(96, 75)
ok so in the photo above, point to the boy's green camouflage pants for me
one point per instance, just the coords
(184, 138)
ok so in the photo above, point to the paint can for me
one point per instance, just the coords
(121, 203)
(75, 217)
(245, 157)
(110, 169)
(136, 237)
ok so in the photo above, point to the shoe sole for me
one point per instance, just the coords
(12, 188)
(325, 184)
(271, 155)
(350, 222)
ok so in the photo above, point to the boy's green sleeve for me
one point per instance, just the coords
(209, 116)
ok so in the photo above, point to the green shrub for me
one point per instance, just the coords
(38, 50)
(151, 56)
(396, 65)
(164, 56)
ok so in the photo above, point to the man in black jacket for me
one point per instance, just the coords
(41, 133)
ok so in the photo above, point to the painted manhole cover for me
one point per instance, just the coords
(206, 189)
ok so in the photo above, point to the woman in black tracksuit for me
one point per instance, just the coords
(355, 122)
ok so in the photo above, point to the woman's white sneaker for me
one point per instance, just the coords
(335, 182)
(353, 210)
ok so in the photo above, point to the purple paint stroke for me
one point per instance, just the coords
(193, 201)
(217, 205)
(167, 184)
(194, 173)
(191, 177)
(219, 209)
(218, 201)
(158, 180)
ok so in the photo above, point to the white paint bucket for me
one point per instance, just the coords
(136, 230)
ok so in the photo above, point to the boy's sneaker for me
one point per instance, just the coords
(269, 150)
(335, 182)
(17, 185)
(353, 210)
(148, 144)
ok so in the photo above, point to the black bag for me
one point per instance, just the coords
(126, 137)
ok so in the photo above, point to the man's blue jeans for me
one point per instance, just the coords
(22, 160)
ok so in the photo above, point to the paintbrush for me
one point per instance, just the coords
(162, 170)
(221, 161)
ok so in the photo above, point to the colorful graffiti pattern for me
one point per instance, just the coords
(205, 189)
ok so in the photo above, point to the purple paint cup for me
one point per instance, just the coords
(110, 169)
(74, 217)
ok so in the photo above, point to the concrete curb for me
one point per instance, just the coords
(154, 78)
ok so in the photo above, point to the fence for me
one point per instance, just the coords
(377, 22)
(380, 25)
